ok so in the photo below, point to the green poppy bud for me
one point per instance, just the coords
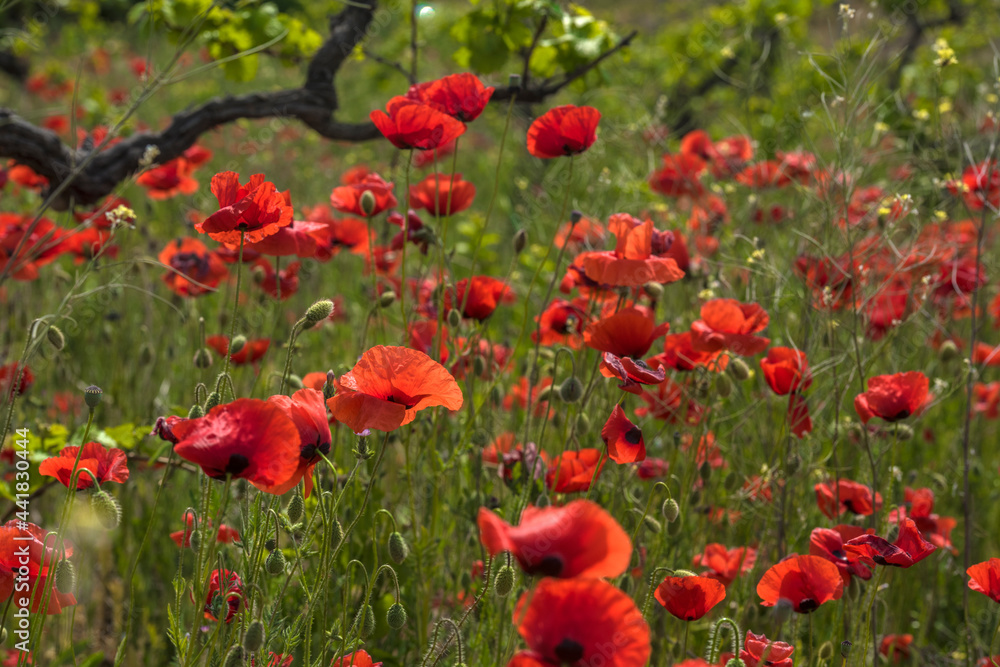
(319, 311)
(398, 549)
(275, 563)
(254, 638)
(56, 338)
(520, 241)
(670, 510)
(238, 343)
(396, 616)
(336, 533)
(214, 399)
(108, 512)
(738, 369)
(454, 318)
(386, 299)
(65, 576)
(723, 386)
(202, 358)
(367, 203)
(235, 658)
(295, 509)
(195, 412)
(504, 583)
(571, 389)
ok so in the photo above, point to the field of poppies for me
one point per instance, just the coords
(595, 368)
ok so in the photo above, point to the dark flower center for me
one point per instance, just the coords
(839, 554)
(808, 605)
(633, 436)
(550, 566)
(569, 651)
(190, 263)
(237, 464)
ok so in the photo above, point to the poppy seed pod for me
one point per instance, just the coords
(367, 203)
(571, 389)
(65, 577)
(275, 563)
(386, 299)
(520, 241)
(319, 311)
(108, 512)
(238, 343)
(670, 510)
(504, 583)
(575, 216)
(396, 616)
(254, 637)
(738, 369)
(514, 82)
(92, 396)
(202, 358)
(398, 549)
(235, 657)
(56, 338)
(845, 649)
(295, 509)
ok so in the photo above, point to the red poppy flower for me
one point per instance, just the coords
(623, 438)
(287, 278)
(107, 465)
(562, 322)
(225, 534)
(586, 233)
(579, 539)
(169, 180)
(485, 293)
(411, 124)
(359, 658)
(308, 411)
(255, 210)
(461, 96)
(845, 495)
(565, 130)
(980, 185)
(573, 470)
(805, 582)
(690, 598)
(347, 198)
(799, 421)
(436, 190)
(627, 333)
(42, 245)
(233, 584)
(580, 622)
(388, 386)
(909, 549)
(985, 578)
(759, 650)
(633, 373)
(679, 176)
(252, 352)
(25, 556)
(87, 243)
(921, 502)
(896, 647)
(518, 396)
(652, 468)
(726, 564)
(433, 156)
(829, 544)
(632, 262)
(670, 403)
(679, 354)
(727, 324)
(786, 370)
(893, 397)
(194, 270)
(9, 375)
(706, 451)
(248, 438)
(299, 239)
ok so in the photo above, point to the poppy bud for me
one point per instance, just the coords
(845, 649)
(386, 299)
(723, 386)
(275, 563)
(479, 366)
(56, 338)
(904, 432)
(825, 651)
(684, 573)
(670, 510)
(520, 241)
(294, 381)
(3, 635)
(336, 532)
(575, 216)
(235, 657)
(398, 549)
(546, 394)
(738, 369)
(454, 318)
(92, 396)
(202, 358)
(65, 576)
(238, 343)
(364, 622)
(504, 583)
(480, 438)
(319, 311)
(705, 471)
(146, 354)
(328, 387)
(195, 540)
(195, 412)
(295, 509)
(213, 400)
(735, 662)
(655, 290)
(254, 638)
(948, 351)
(582, 423)
(496, 395)
(396, 616)
(367, 203)
(701, 387)
(652, 524)
(571, 389)
(108, 512)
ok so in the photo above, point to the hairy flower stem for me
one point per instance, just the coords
(232, 324)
